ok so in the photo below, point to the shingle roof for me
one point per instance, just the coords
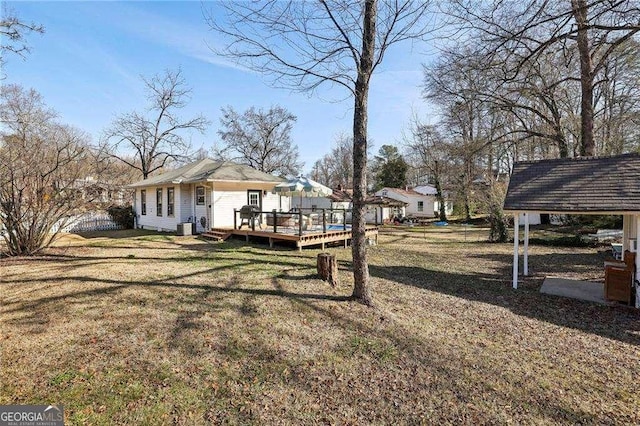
(384, 201)
(208, 170)
(340, 195)
(425, 190)
(585, 185)
(405, 192)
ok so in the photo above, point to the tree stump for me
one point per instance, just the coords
(328, 268)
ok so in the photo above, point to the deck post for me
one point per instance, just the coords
(275, 221)
(516, 240)
(344, 221)
(324, 222)
(300, 222)
(525, 267)
(235, 219)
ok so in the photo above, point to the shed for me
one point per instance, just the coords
(586, 185)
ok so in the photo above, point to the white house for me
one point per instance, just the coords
(417, 204)
(206, 193)
(430, 190)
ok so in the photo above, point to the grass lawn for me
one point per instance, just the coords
(154, 329)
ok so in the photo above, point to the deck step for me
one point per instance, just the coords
(216, 234)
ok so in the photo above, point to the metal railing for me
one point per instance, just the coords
(297, 218)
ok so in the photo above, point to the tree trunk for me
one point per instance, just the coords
(361, 289)
(442, 213)
(587, 146)
(327, 267)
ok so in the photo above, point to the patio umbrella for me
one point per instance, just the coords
(302, 186)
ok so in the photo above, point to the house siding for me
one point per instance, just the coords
(151, 220)
(224, 202)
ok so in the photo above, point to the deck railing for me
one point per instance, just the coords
(297, 218)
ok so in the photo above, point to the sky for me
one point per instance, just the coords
(89, 62)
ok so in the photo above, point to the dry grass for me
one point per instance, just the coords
(145, 329)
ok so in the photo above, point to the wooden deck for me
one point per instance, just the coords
(308, 238)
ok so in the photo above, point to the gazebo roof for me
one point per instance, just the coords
(384, 201)
(586, 185)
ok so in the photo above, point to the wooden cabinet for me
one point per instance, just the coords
(618, 279)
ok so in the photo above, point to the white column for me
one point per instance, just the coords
(637, 221)
(516, 240)
(626, 230)
(526, 245)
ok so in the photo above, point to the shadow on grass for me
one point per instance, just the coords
(619, 323)
(491, 287)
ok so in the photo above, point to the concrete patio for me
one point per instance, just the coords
(581, 290)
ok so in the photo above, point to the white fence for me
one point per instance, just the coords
(91, 221)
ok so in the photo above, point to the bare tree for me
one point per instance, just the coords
(13, 32)
(336, 167)
(432, 152)
(155, 137)
(41, 166)
(522, 31)
(260, 139)
(303, 45)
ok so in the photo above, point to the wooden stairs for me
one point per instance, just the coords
(216, 234)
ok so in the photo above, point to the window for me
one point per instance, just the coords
(170, 203)
(143, 202)
(420, 206)
(200, 195)
(254, 198)
(159, 201)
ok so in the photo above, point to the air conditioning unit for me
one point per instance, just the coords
(186, 228)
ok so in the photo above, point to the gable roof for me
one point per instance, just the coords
(340, 195)
(404, 192)
(608, 185)
(425, 190)
(208, 170)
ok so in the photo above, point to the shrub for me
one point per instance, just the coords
(122, 215)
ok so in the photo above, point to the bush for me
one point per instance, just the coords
(122, 215)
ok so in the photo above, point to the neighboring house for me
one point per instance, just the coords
(418, 205)
(430, 190)
(382, 209)
(103, 193)
(205, 192)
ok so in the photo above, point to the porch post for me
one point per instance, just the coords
(626, 231)
(526, 245)
(516, 239)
